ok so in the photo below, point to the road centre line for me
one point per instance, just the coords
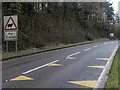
(96, 46)
(39, 67)
(73, 54)
(87, 49)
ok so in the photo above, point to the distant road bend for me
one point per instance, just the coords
(73, 67)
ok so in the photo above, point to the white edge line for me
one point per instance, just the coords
(39, 67)
(104, 75)
(73, 54)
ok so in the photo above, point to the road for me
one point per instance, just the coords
(74, 67)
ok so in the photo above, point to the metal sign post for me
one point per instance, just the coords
(11, 30)
(16, 46)
(6, 46)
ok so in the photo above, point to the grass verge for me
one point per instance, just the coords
(113, 77)
(7, 55)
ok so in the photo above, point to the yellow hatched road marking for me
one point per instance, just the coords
(21, 78)
(102, 67)
(55, 65)
(69, 58)
(84, 83)
(103, 58)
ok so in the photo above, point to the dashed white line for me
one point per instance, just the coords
(87, 49)
(96, 46)
(39, 67)
(73, 54)
(105, 43)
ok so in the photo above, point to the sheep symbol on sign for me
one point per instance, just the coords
(10, 25)
(11, 28)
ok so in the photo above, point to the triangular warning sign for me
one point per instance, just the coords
(10, 25)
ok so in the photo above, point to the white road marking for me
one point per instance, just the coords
(103, 75)
(105, 43)
(39, 67)
(87, 49)
(6, 80)
(96, 46)
(73, 54)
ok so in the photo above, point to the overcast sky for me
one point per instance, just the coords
(115, 4)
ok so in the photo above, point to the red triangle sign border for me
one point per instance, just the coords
(10, 18)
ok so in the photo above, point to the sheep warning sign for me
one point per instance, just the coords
(10, 25)
(10, 28)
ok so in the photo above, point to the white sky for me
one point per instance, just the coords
(115, 4)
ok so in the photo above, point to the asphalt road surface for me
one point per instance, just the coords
(74, 67)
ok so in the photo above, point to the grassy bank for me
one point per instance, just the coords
(6, 55)
(112, 82)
